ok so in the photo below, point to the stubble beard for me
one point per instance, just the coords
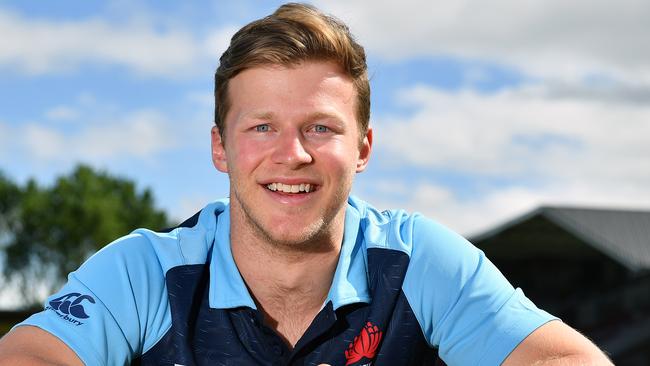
(315, 237)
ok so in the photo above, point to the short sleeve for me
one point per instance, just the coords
(465, 306)
(113, 307)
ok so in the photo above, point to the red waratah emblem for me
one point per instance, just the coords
(364, 345)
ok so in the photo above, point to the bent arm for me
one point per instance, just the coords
(27, 345)
(556, 344)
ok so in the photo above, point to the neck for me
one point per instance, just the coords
(289, 283)
(273, 271)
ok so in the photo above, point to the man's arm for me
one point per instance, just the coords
(27, 345)
(556, 344)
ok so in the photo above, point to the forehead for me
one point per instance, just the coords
(304, 87)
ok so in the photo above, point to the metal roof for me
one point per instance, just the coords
(623, 235)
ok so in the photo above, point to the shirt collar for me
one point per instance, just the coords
(227, 287)
(350, 283)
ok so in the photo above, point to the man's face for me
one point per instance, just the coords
(291, 150)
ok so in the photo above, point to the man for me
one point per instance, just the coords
(290, 269)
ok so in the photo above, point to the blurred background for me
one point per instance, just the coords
(486, 115)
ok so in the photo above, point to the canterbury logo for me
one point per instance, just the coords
(364, 345)
(70, 307)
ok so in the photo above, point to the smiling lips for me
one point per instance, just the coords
(290, 188)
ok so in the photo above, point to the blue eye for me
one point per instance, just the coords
(320, 128)
(262, 128)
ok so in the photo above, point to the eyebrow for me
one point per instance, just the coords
(269, 116)
(261, 115)
(319, 115)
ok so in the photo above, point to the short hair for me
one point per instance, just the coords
(294, 33)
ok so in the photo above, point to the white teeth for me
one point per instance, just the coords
(290, 188)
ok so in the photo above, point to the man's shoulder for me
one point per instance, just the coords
(118, 300)
(398, 229)
(186, 244)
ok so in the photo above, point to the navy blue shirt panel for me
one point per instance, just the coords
(385, 332)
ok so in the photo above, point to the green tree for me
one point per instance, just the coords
(47, 232)
(10, 196)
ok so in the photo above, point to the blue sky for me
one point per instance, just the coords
(481, 110)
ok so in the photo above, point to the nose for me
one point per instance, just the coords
(290, 150)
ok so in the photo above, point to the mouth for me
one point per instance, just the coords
(301, 188)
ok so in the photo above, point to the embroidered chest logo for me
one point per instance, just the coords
(364, 345)
(69, 307)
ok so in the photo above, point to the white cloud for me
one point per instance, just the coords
(141, 134)
(577, 149)
(218, 40)
(62, 113)
(202, 99)
(138, 135)
(519, 132)
(42, 142)
(190, 204)
(471, 216)
(552, 38)
(42, 46)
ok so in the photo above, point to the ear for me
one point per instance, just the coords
(218, 151)
(364, 151)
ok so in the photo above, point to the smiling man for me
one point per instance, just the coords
(291, 270)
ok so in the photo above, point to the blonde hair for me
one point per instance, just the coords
(294, 33)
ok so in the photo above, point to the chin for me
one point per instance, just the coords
(298, 237)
